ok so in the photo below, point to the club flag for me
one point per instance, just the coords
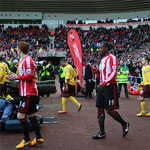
(76, 51)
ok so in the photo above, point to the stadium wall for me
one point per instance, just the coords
(54, 20)
(65, 17)
(20, 15)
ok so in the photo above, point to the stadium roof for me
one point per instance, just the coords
(75, 6)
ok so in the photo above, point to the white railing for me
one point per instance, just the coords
(51, 53)
(135, 80)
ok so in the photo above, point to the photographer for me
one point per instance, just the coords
(45, 75)
(51, 68)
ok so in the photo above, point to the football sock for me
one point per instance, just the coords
(24, 125)
(35, 125)
(101, 119)
(118, 118)
(64, 101)
(73, 100)
(143, 104)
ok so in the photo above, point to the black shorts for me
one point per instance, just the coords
(107, 97)
(28, 104)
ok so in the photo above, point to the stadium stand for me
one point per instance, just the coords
(125, 43)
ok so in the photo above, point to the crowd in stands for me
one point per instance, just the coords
(125, 43)
(60, 41)
(38, 38)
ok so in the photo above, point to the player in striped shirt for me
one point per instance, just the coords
(28, 92)
(107, 91)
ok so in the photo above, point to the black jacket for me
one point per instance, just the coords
(88, 73)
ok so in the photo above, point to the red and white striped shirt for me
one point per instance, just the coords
(27, 83)
(108, 70)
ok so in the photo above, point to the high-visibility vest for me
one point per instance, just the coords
(45, 72)
(122, 77)
(62, 75)
(143, 72)
(10, 63)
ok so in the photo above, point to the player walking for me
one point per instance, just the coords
(68, 88)
(107, 92)
(145, 92)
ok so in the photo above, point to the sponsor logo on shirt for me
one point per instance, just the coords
(147, 70)
(20, 71)
(28, 70)
(113, 67)
(102, 66)
(0, 68)
(67, 70)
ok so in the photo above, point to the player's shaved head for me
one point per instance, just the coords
(105, 45)
(63, 60)
(104, 48)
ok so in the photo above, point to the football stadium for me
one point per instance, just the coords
(74, 74)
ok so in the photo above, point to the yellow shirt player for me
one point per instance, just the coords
(7, 71)
(2, 72)
(70, 74)
(145, 92)
(69, 87)
(146, 75)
